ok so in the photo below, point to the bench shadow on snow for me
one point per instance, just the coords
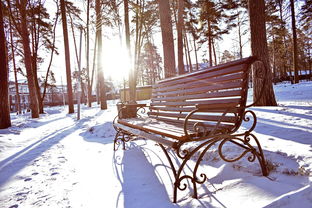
(141, 181)
(138, 177)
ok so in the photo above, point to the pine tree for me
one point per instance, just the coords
(67, 59)
(167, 38)
(5, 120)
(260, 50)
(98, 7)
(23, 30)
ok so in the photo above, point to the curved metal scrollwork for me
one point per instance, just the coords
(140, 110)
(246, 118)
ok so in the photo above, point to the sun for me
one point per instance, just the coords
(116, 62)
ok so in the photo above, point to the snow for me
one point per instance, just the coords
(57, 161)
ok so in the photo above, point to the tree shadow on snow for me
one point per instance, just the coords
(14, 163)
(138, 177)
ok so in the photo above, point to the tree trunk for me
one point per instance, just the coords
(132, 81)
(209, 43)
(214, 52)
(240, 37)
(102, 90)
(67, 59)
(28, 64)
(180, 36)
(18, 99)
(259, 48)
(188, 52)
(5, 120)
(51, 57)
(167, 38)
(294, 34)
(195, 51)
(89, 97)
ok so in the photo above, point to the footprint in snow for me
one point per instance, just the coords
(14, 206)
(35, 173)
(27, 179)
(55, 173)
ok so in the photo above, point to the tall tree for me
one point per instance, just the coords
(180, 27)
(132, 81)
(167, 38)
(294, 36)
(5, 120)
(102, 92)
(34, 106)
(67, 59)
(88, 57)
(259, 48)
(18, 99)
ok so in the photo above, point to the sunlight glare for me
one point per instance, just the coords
(116, 63)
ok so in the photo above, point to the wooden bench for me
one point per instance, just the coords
(199, 109)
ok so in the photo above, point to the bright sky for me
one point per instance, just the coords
(115, 61)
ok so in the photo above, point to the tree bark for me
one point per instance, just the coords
(88, 57)
(67, 59)
(259, 49)
(18, 99)
(195, 51)
(188, 52)
(180, 36)
(295, 47)
(5, 120)
(132, 80)
(28, 64)
(102, 90)
(167, 38)
(209, 43)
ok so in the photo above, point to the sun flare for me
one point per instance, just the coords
(116, 63)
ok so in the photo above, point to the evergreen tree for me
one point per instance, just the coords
(5, 120)
(167, 38)
(67, 59)
(260, 50)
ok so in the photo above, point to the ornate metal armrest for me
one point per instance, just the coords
(202, 108)
(128, 110)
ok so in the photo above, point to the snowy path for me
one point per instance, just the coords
(56, 161)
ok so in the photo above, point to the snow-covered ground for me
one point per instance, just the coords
(57, 161)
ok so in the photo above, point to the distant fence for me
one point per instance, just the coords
(142, 93)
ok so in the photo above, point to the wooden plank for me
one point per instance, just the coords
(205, 74)
(143, 125)
(188, 109)
(191, 123)
(220, 67)
(199, 82)
(200, 89)
(143, 134)
(218, 94)
(234, 101)
(229, 119)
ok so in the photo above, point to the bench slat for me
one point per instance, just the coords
(232, 102)
(231, 93)
(143, 134)
(229, 119)
(206, 81)
(188, 109)
(202, 75)
(200, 88)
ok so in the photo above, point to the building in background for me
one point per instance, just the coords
(55, 95)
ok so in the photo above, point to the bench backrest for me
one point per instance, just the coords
(218, 88)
